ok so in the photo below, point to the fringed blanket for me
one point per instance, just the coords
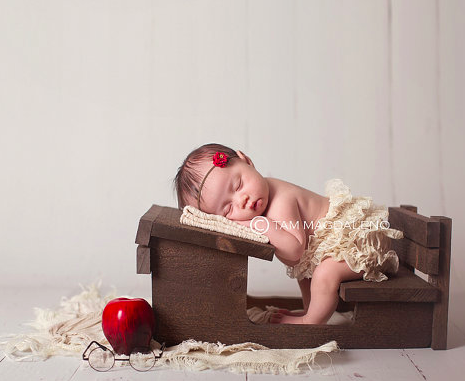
(68, 330)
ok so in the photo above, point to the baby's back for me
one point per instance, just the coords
(311, 205)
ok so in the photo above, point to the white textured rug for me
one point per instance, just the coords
(68, 330)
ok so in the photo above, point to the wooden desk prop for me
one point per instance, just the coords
(199, 288)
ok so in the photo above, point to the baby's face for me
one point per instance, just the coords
(237, 191)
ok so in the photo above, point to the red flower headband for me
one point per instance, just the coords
(220, 159)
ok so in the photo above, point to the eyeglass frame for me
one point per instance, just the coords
(163, 346)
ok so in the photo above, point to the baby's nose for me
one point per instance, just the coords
(244, 201)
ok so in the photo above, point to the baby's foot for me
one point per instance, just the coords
(279, 318)
(285, 311)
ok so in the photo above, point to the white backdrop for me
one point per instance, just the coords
(100, 101)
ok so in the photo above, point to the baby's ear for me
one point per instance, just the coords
(247, 159)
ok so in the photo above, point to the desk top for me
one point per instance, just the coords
(163, 222)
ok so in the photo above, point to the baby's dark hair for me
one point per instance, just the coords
(188, 177)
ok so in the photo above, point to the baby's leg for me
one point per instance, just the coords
(324, 293)
(304, 285)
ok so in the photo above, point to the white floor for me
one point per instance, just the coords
(16, 307)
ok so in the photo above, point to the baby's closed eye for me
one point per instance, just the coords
(229, 207)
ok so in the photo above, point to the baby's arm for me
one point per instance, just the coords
(289, 242)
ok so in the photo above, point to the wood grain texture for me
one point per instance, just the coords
(402, 287)
(412, 208)
(263, 301)
(418, 228)
(422, 258)
(143, 259)
(201, 294)
(376, 325)
(442, 281)
(199, 291)
(165, 224)
(145, 225)
(291, 303)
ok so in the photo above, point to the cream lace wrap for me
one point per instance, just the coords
(355, 230)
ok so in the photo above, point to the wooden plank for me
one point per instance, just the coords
(122, 371)
(418, 228)
(199, 294)
(145, 225)
(412, 208)
(143, 259)
(291, 303)
(263, 301)
(165, 224)
(56, 368)
(422, 258)
(402, 287)
(375, 325)
(380, 365)
(441, 281)
(195, 289)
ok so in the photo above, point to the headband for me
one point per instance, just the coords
(220, 159)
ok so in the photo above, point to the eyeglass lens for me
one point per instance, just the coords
(142, 359)
(101, 359)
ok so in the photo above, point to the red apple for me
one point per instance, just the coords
(128, 323)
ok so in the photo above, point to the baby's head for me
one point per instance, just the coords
(236, 191)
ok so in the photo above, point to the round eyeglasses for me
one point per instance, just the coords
(102, 358)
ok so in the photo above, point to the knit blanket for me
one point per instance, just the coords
(67, 330)
(195, 217)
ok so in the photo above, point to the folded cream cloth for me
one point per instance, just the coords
(68, 330)
(195, 217)
(259, 316)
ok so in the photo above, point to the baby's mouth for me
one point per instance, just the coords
(253, 205)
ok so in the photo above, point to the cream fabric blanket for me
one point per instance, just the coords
(67, 331)
(195, 217)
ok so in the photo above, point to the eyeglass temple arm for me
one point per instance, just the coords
(93, 342)
(163, 346)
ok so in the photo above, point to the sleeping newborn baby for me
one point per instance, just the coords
(322, 240)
